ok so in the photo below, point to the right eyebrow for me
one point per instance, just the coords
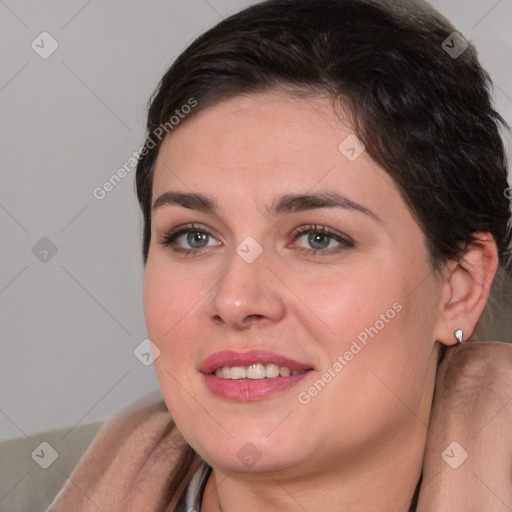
(189, 200)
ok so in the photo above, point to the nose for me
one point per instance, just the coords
(247, 295)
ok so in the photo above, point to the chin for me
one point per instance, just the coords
(250, 459)
(247, 451)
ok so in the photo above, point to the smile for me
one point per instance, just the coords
(255, 371)
(253, 375)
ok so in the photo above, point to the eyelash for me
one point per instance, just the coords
(170, 238)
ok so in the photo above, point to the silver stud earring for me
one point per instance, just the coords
(458, 335)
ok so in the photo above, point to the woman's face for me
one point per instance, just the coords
(302, 256)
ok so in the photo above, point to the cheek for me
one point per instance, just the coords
(168, 309)
(375, 328)
(167, 303)
(355, 304)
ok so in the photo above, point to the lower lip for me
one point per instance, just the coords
(248, 390)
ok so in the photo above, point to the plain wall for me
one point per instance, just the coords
(69, 325)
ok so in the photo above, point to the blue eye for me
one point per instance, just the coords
(196, 239)
(192, 238)
(318, 239)
(321, 239)
(195, 236)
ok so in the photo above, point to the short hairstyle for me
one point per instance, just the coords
(424, 114)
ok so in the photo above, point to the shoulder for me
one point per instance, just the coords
(129, 462)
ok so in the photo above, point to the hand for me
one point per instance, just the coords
(473, 408)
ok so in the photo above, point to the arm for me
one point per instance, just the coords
(473, 408)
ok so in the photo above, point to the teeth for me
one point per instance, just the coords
(271, 371)
(238, 372)
(224, 373)
(255, 371)
(284, 371)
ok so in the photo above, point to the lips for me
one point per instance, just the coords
(232, 358)
(246, 389)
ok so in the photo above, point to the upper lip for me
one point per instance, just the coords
(233, 358)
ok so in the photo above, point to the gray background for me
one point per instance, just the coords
(69, 325)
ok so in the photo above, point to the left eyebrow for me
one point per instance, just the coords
(287, 203)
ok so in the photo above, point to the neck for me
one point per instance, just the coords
(383, 478)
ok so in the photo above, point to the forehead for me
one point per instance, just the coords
(260, 146)
(260, 128)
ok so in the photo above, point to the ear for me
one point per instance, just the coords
(465, 288)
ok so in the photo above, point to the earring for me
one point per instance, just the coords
(458, 335)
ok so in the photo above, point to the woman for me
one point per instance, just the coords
(323, 189)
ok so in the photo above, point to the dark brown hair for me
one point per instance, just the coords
(423, 115)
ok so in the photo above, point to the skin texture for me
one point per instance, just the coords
(367, 428)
